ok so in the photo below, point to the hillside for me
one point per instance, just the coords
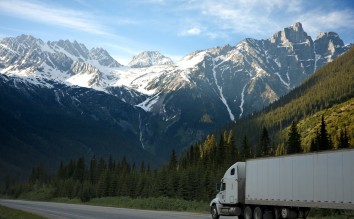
(40, 125)
(338, 118)
(330, 85)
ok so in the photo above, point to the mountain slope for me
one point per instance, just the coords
(330, 85)
(338, 118)
(49, 125)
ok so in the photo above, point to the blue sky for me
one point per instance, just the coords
(174, 27)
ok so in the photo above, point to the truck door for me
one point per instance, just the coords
(231, 187)
(221, 194)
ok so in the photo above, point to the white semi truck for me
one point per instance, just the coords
(286, 186)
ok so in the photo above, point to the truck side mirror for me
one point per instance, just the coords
(217, 187)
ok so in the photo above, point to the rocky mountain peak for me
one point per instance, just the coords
(329, 45)
(73, 48)
(290, 35)
(103, 57)
(297, 27)
(327, 37)
(149, 58)
(23, 41)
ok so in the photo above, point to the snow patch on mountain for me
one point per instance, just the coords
(223, 99)
(242, 100)
(148, 103)
(282, 80)
(192, 60)
(141, 132)
(149, 58)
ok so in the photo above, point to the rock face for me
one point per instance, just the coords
(328, 46)
(166, 105)
(103, 58)
(149, 58)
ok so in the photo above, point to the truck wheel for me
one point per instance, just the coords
(258, 213)
(214, 212)
(248, 212)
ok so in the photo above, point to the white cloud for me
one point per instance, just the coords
(219, 35)
(261, 18)
(317, 21)
(42, 13)
(191, 31)
(153, 1)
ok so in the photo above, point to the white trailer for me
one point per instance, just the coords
(286, 186)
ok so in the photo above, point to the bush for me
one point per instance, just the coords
(87, 192)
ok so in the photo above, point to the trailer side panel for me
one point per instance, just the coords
(323, 179)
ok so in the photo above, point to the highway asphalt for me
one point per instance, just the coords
(64, 211)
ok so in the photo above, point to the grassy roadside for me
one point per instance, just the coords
(157, 203)
(10, 213)
(330, 217)
(160, 203)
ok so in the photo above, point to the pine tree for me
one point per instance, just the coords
(209, 144)
(62, 173)
(142, 168)
(111, 163)
(162, 183)
(246, 149)
(93, 170)
(86, 192)
(172, 165)
(101, 167)
(79, 170)
(294, 140)
(220, 151)
(183, 185)
(324, 143)
(102, 188)
(314, 143)
(343, 141)
(232, 150)
(264, 143)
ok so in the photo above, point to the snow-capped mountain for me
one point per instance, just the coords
(174, 103)
(149, 58)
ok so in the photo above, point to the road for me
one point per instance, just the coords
(65, 211)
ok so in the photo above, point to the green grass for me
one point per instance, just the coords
(41, 194)
(160, 203)
(9, 213)
(330, 214)
(329, 217)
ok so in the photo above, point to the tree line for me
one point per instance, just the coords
(190, 176)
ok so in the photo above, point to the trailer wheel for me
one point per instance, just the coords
(248, 212)
(258, 213)
(214, 212)
(304, 212)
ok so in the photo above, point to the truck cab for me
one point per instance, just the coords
(231, 192)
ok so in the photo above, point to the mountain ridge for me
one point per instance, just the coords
(171, 105)
(148, 59)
